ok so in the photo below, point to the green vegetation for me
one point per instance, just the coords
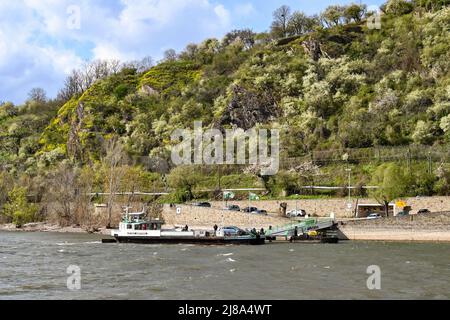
(332, 85)
(392, 183)
(170, 78)
(18, 209)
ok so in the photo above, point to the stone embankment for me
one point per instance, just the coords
(324, 207)
(208, 217)
(426, 227)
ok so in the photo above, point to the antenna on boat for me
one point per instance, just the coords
(127, 208)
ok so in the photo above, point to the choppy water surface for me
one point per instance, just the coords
(34, 266)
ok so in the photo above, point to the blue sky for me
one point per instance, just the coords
(40, 42)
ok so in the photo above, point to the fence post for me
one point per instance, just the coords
(430, 164)
(409, 159)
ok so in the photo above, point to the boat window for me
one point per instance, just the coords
(129, 226)
(156, 226)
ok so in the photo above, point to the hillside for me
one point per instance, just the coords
(387, 87)
(338, 86)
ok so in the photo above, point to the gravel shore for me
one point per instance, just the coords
(49, 227)
(427, 227)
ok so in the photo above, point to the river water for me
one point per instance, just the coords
(34, 266)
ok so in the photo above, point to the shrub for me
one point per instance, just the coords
(18, 209)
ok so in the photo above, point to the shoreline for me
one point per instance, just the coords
(46, 227)
(433, 227)
(397, 235)
(377, 233)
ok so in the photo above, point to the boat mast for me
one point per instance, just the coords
(127, 214)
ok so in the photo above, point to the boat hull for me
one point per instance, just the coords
(189, 240)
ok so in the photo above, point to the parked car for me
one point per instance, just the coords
(232, 207)
(422, 211)
(249, 209)
(234, 231)
(231, 231)
(202, 204)
(403, 214)
(260, 211)
(296, 213)
(374, 216)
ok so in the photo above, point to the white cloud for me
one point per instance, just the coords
(37, 48)
(61, 60)
(107, 51)
(25, 60)
(244, 9)
(223, 15)
(160, 11)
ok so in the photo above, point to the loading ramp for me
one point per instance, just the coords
(302, 227)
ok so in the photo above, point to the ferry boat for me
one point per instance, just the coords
(134, 228)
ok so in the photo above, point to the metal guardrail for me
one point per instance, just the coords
(382, 153)
(302, 227)
(128, 193)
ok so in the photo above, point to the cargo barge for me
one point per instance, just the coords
(134, 228)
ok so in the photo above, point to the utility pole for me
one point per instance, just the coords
(430, 165)
(349, 170)
(220, 176)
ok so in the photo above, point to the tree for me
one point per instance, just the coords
(280, 22)
(431, 5)
(247, 36)
(392, 183)
(73, 86)
(183, 179)
(423, 133)
(299, 23)
(6, 183)
(190, 52)
(170, 55)
(86, 179)
(140, 65)
(69, 190)
(7, 110)
(442, 186)
(145, 64)
(354, 12)
(333, 15)
(134, 179)
(82, 79)
(399, 7)
(18, 209)
(62, 192)
(37, 95)
(113, 160)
